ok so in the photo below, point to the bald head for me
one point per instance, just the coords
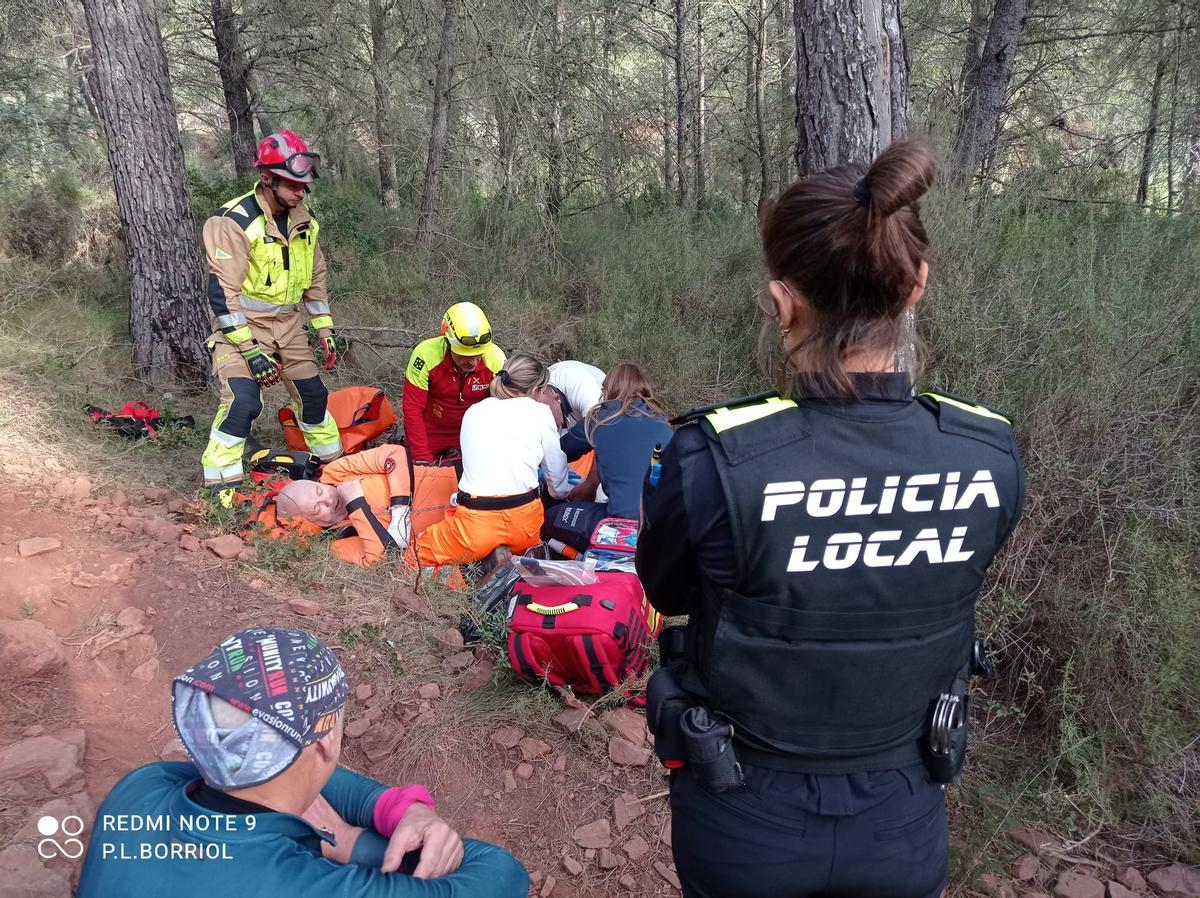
(312, 501)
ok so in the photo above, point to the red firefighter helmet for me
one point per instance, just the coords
(285, 154)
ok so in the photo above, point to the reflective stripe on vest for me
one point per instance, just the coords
(725, 418)
(268, 284)
(967, 407)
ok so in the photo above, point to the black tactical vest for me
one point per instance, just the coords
(862, 545)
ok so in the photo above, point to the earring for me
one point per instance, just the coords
(784, 331)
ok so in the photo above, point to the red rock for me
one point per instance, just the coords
(1132, 879)
(1033, 839)
(625, 753)
(359, 727)
(628, 883)
(146, 671)
(1025, 867)
(155, 494)
(560, 763)
(548, 887)
(258, 584)
(1176, 881)
(79, 804)
(451, 641)
(523, 771)
(247, 554)
(667, 873)
(226, 546)
(37, 545)
(429, 691)
(571, 866)
(304, 607)
(456, 663)
(163, 531)
(531, 749)
(478, 676)
(629, 725)
(1116, 890)
(28, 649)
(510, 782)
(131, 619)
(626, 809)
(54, 757)
(570, 720)
(635, 849)
(175, 506)
(594, 835)
(507, 737)
(1075, 884)
(81, 488)
(607, 859)
(118, 499)
(189, 543)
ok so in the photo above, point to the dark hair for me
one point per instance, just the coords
(851, 240)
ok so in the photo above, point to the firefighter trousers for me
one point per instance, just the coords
(283, 336)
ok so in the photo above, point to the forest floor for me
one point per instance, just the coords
(125, 593)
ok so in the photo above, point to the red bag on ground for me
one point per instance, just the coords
(590, 638)
(361, 413)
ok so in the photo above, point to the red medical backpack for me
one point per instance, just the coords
(591, 638)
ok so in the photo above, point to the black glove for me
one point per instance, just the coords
(263, 368)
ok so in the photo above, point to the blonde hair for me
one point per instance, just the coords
(522, 375)
(626, 383)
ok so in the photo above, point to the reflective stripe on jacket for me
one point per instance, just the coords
(436, 396)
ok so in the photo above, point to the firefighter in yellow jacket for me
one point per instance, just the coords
(265, 268)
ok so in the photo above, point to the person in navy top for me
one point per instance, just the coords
(623, 430)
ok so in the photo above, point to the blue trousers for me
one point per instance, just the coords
(793, 835)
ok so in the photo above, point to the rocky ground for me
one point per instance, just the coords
(106, 594)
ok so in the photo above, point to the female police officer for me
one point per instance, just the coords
(829, 549)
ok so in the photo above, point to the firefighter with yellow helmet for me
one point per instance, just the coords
(266, 281)
(446, 375)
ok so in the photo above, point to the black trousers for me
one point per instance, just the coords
(792, 835)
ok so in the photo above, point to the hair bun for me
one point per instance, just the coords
(900, 176)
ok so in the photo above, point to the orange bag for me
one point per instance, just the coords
(361, 413)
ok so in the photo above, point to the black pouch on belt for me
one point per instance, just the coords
(710, 751)
(665, 703)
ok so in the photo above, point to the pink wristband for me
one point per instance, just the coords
(392, 804)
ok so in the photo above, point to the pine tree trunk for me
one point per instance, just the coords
(554, 142)
(233, 68)
(845, 74)
(668, 132)
(439, 132)
(760, 124)
(699, 143)
(785, 45)
(682, 113)
(167, 324)
(389, 194)
(985, 81)
(1143, 192)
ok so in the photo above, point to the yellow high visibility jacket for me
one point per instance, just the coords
(253, 267)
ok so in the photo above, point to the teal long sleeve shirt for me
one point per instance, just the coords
(194, 852)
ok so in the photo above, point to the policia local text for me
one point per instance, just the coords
(915, 494)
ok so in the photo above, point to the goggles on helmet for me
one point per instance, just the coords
(469, 340)
(299, 165)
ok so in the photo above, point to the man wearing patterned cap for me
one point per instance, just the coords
(264, 805)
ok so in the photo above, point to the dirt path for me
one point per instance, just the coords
(123, 590)
(104, 597)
